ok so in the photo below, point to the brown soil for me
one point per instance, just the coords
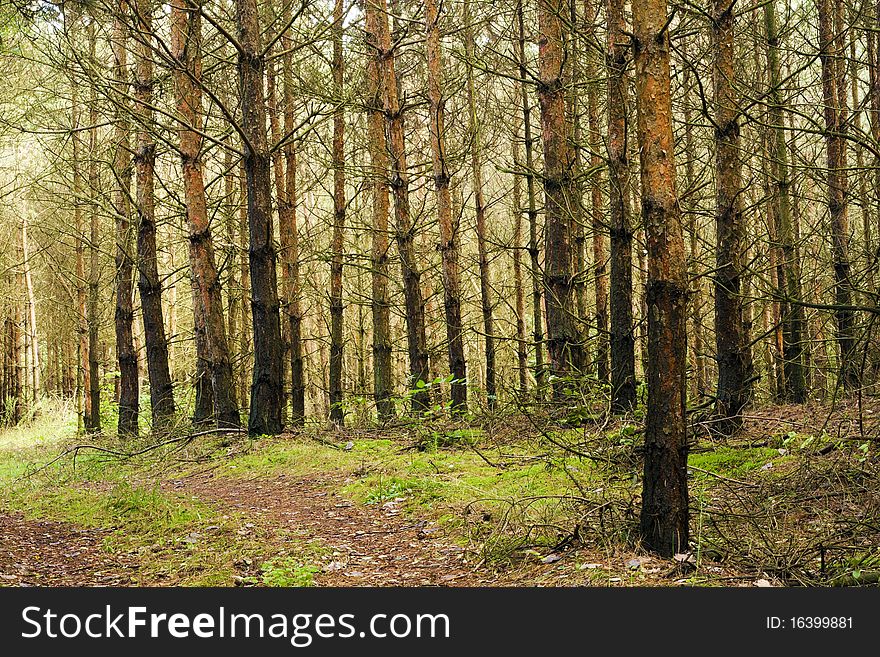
(44, 553)
(369, 545)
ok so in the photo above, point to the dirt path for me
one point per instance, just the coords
(44, 553)
(370, 545)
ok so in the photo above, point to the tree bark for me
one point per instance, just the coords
(83, 389)
(380, 302)
(289, 233)
(794, 322)
(278, 171)
(563, 343)
(337, 411)
(448, 228)
(186, 48)
(162, 405)
(203, 411)
(731, 341)
(597, 214)
(93, 408)
(412, 292)
(533, 248)
(480, 214)
(522, 354)
(623, 355)
(267, 390)
(126, 355)
(699, 379)
(832, 56)
(664, 514)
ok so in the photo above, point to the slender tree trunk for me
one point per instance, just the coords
(93, 409)
(664, 515)
(832, 56)
(448, 228)
(287, 219)
(126, 355)
(337, 412)
(83, 389)
(278, 169)
(533, 248)
(412, 292)
(577, 209)
(874, 120)
(794, 328)
(731, 341)
(623, 355)
(597, 214)
(232, 284)
(861, 177)
(244, 346)
(268, 380)
(480, 212)
(31, 318)
(186, 48)
(291, 284)
(696, 301)
(380, 302)
(17, 357)
(203, 411)
(522, 354)
(149, 285)
(563, 344)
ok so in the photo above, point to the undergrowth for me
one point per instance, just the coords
(791, 504)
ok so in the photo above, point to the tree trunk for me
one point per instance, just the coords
(380, 302)
(267, 390)
(126, 355)
(83, 389)
(522, 354)
(203, 410)
(534, 251)
(563, 343)
(448, 229)
(244, 336)
(149, 285)
(31, 316)
(480, 212)
(623, 355)
(731, 341)
(664, 514)
(337, 412)
(597, 214)
(290, 242)
(832, 56)
(232, 284)
(278, 170)
(693, 228)
(186, 48)
(93, 408)
(874, 120)
(412, 292)
(793, 332)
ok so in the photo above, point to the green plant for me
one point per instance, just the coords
(286, 572)
(388, 490)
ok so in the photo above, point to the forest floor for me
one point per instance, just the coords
(516, 501)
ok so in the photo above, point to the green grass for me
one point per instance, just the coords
(734, 461)
(285, 572)
(176, 538)
(520, 499)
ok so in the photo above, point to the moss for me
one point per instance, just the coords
(732, 461)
